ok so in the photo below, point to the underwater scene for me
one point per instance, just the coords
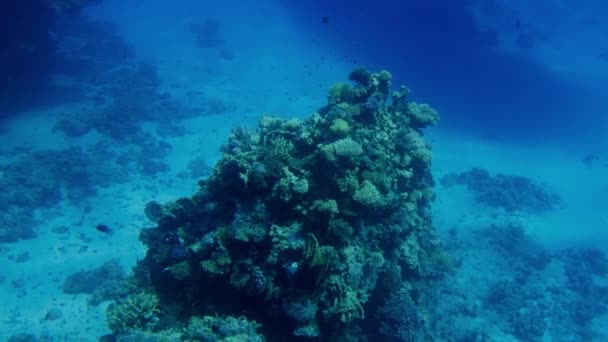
(282, 170)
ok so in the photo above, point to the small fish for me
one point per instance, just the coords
(325, 19)
(177, 250)
(104, 229)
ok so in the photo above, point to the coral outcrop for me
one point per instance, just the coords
(511, 193)
(306, 226)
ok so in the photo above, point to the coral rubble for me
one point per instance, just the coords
(305, 227)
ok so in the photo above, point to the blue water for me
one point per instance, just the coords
(474, 69)
(106, 106)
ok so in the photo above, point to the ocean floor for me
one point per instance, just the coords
(116, 177)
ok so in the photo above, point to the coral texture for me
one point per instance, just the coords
(310, 223)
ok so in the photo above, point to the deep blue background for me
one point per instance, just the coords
(437, 48)
(480, 86)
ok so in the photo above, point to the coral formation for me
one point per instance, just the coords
(222, 329)
(511, 288)
(311, 223)
(36, 180)
(509, 239)
(136, 311)
(102, 283)
(512, 193)
(42, 179)
(124, 97)
(401, 320)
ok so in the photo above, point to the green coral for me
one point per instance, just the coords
(211, 267)
(222, 329)
(348, 182)
(329, 206)
(219, 263)
(339, 127)
(361, 265)
(340, 92)
(345, 148)
(249, 224)
(290, 185)
(279, 152)
(179, 271)
(135, 312)
(422, 114)
(284, 239)
(419, 151)
(368, 195)
(345, 302)
(409, 253)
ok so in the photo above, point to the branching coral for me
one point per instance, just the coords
(136, 311)
(368, 195)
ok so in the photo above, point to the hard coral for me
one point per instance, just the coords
(401, 320)
(137, 311)
(422, 115)
(368, 195)
(222, 329)
(300, 221)
(340, 127)
(342, 149)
